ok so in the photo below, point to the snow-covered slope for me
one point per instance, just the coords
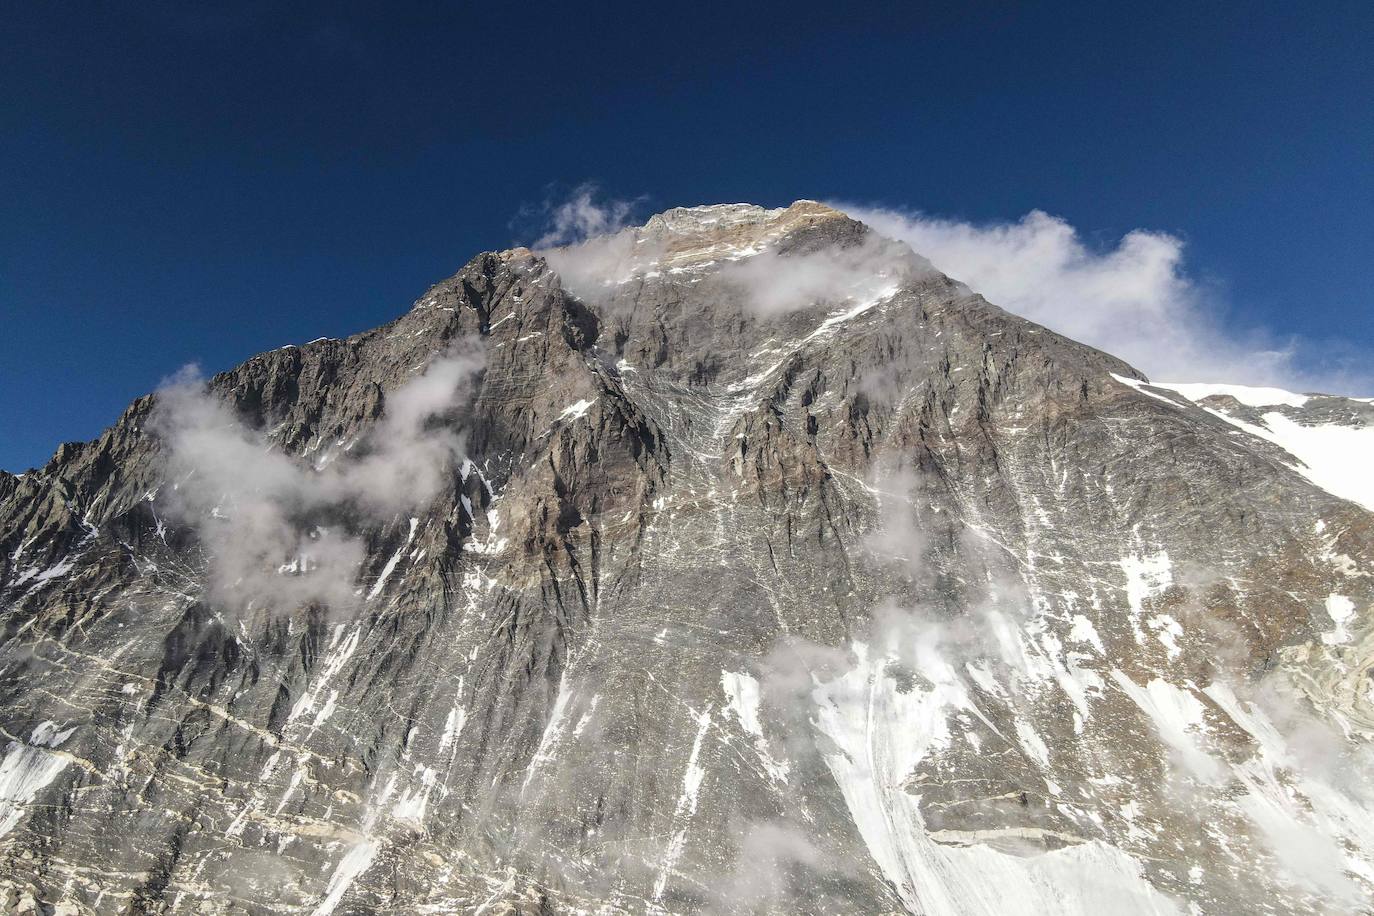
(1330, 438)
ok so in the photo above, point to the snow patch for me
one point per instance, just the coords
(576, 411)
(1032, 743)
(1333, 456)
(24, 772)
(1249, 396)
(1179, 718)
(453, 727)
(1341, 610)
(742, 698)
(390, 566)
(354, 863)
(880, 735)
(549, 740)
(1146, 577)
(692, 779)
(1084, 631)
(39, 576)
(337, 656)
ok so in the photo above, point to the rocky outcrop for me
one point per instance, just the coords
(772, 571)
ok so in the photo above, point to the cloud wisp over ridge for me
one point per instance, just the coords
(584, 214)
(1135, 300)
(278, 532)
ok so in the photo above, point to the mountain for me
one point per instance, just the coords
(740, 562)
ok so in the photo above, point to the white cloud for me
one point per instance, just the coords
(275, 530)
(593, 250)
(585, 214)
(773, 281)
(589, 268)
(1135, 300)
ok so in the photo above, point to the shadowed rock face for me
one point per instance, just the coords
(772, 572)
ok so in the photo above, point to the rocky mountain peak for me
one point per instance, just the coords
(731, 228)
(737, 563)
(686, 238)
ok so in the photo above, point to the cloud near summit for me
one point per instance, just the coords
(1135, 299)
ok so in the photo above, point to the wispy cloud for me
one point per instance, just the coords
(1136, 299)
(584, 214)
(587, 239)
(775, 281)
(278, 532)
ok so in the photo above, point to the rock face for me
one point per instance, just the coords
(749, 565)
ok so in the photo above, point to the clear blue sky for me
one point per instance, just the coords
(180, 183)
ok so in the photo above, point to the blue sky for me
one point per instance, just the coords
(188, 184)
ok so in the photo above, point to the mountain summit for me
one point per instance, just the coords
(740, 562)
